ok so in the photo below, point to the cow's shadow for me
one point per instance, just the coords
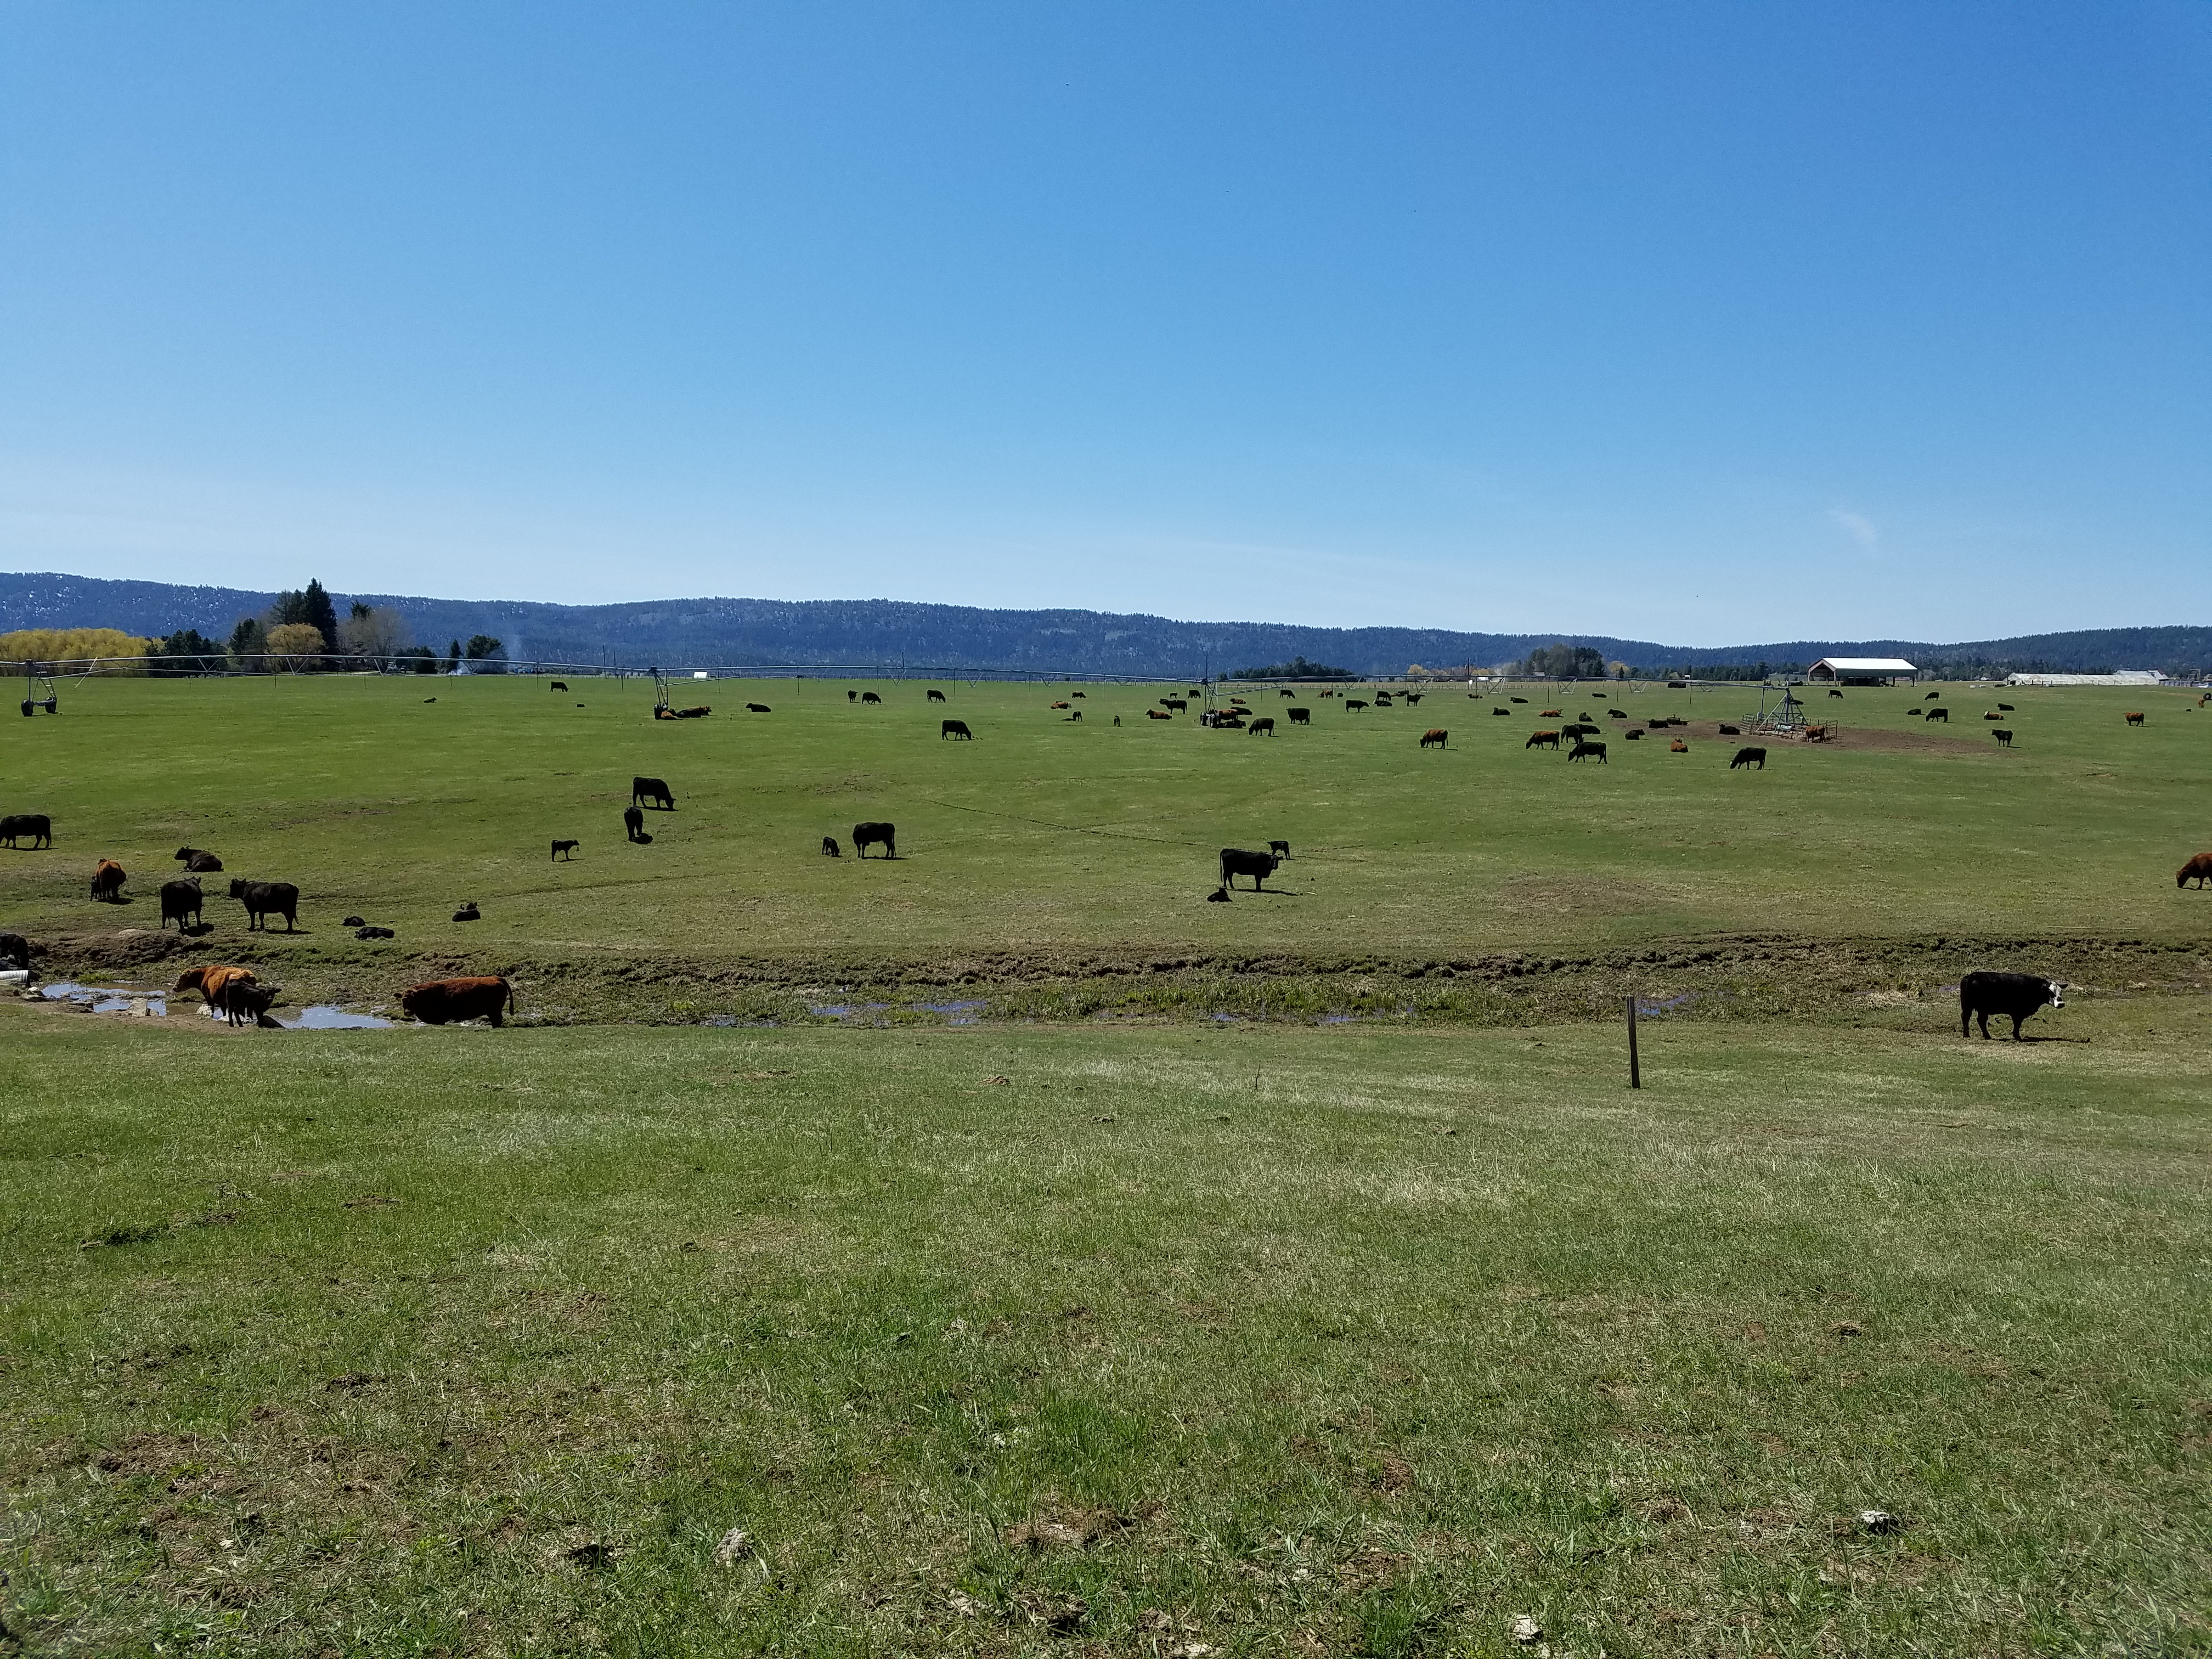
(1267, 892)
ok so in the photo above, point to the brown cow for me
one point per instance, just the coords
(107, 879)
(1816, 735)
(1437, 735)
(1542, 739)
(2134, 717)
(1547, 714)
(442, 1001)
(2199, 867)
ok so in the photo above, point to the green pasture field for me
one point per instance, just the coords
(1045, 839)
(1026, 1341)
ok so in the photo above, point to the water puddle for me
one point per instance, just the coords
(956, 1013)
(145, 999)
(329, 1017)
(846, 1010)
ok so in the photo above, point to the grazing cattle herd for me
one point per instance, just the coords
(235, 994)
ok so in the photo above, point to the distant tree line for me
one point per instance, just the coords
(301, 633)
(1296, 669)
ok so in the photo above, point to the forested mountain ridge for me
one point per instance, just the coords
(855, 634)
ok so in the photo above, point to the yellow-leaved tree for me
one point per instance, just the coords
(76, 650)
(296, 640)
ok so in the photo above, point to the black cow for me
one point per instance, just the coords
(1931, 696)
(852, 696)
(1518, 700)
(935, 695)
(1265, 723)
(634, 825)
(758, 708)
(1353, 702)
(1616, 713)
(37, 825)
(564, 850)
(366, 931)
(1412, 696)
(15, 949)
(1745, 758)
(654, 790)
(1176, 705)
(1833, 692)
(1636, 735)
(1942, 714)
(954, 729)
(1281, 849)
(468, 912)
(1300, 716)
(1282, 692)
(558, 685)
(242, 1000)
(1236, 861)
(865, 836)
(199, 863)
(180, 899)
(1507, 712)
(1584, 749)
(869, 697)
(1981, 994)
(2002, 735)
(267, 898)
(355, 921)
(829, 848)
(2007, 708)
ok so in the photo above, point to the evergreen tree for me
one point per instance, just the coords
(247, 639)
(320, 613)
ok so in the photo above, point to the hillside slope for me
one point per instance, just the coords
(886, 633)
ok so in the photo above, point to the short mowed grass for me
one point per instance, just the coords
(1135, 1341)
(1051, 836)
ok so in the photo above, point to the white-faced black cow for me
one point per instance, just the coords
(1236, 861)
(1981, 994)
(865, 836)
(264, 899)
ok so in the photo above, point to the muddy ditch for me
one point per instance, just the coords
(1906, 982)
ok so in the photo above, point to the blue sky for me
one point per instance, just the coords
(1702, 323)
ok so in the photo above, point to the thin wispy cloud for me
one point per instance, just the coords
(1861, 529)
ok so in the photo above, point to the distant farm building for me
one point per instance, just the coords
(1860, 670)
(2126, 677)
